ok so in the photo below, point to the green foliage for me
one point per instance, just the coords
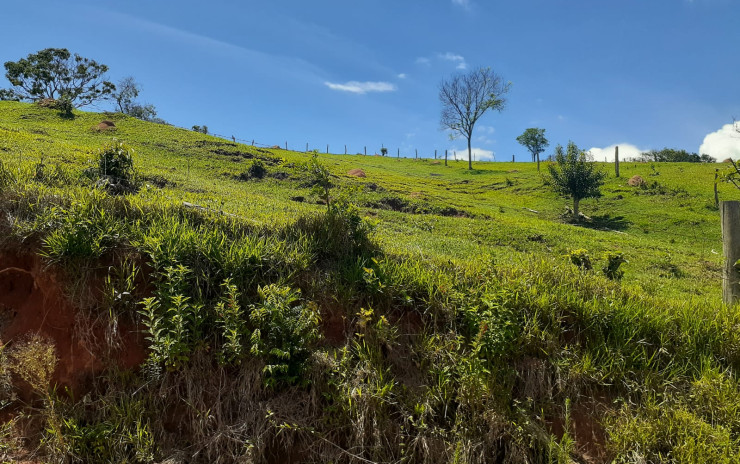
(669, 155)
(612, 262)
(173, 322)
(283, 334)
(383, 151)
(575, 176)
(53, 73)
(659, 433)
(319, 178)
(123, 435)
(581, 259)
(115, 169)
(257, 169)
(534, 140)
(233, 325)
(202, 129)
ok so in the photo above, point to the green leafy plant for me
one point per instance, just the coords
(114, 170)
(581, 258)
(233, 325)
(613, 260)
(573, 175)
(283, 334)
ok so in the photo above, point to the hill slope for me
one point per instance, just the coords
(428, 315)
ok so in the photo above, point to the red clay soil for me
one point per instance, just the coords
(32, 301)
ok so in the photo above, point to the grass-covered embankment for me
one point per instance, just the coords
(435, 320)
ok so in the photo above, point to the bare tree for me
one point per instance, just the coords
(466, 97)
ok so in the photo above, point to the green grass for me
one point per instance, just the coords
(465, 326)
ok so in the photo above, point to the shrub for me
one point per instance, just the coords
(611, 267)
(115, 169)
(581, 259)
(257, 170)
(284, 333)
(34, 360)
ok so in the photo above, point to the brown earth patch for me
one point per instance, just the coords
(356, 173)
(636, 181)
(33, 301)
(105, 125)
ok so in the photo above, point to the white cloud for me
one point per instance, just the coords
(463, 3)
(479, 154)
(626, 150)
(486, 129)
(722, 144)
(459, 59)
(423, 60)
(362, 87)
(402, 76)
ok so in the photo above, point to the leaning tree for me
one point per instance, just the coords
(56, 74)
(466, 97)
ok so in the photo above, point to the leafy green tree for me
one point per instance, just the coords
(54, 73)
(573, 175)
(534, 140)
(383, 151)
(125, 96)
(466, 97)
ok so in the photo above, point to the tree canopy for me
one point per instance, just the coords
(573, 175)
(534, 140)
(466, 97)
(675, 156)
(54, 73)
(125, 97)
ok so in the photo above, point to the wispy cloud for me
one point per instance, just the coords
(458, 59)
(362, 87)
(423, 60)
(402, 76)
(463, 3)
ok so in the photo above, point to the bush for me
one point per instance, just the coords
(284, 333)
(115, 169)
(257, 170)
(581, 259)
(611, 267)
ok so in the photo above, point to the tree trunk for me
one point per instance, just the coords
(470, 155)
(576, 215)
(538, 162)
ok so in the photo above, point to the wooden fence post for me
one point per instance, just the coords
(435, 154)
(286, 145)
(398, 153)
(327, 148)
(616, 160)
(416, 154)
(365, 151)
(306, 147)
(716, 193)
(345, 149)
(445, 157)
(513, 158)
(730, 214)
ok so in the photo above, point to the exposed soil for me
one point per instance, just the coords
(105, 125)
(357, 173)
(32, 301)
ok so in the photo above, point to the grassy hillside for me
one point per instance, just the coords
(431, 314)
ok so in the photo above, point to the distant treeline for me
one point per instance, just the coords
(675, 156)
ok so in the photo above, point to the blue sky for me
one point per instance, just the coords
(643, 74)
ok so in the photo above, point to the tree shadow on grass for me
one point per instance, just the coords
(605, 222)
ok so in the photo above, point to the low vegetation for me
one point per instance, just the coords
(331, 329)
